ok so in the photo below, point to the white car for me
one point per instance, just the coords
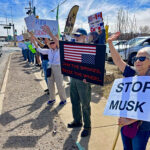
(130, 49)
(117, 44)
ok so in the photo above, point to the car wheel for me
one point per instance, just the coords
(130, 60)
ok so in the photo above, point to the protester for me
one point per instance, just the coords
(102, 37)
(24, 49)
(27, 43)
(142, 68)
(44, 59)
(93, 37)
(80, 94)
(54, 63)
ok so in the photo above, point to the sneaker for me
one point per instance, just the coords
(63, 102)
(86, 132)
(74, 125)
(51, 102)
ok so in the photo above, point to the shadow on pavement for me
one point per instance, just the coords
(72, 136)
(21, 141)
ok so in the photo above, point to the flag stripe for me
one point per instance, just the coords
(71, 49)
(77, 52)
(72, 60)
(76, 58)
(79, 46)
(74, 52)
(66, 54)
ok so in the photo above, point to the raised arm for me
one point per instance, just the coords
(48, 31)
(115, 55)
(43, 51)
(41, 45)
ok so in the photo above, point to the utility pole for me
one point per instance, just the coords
(29, 12)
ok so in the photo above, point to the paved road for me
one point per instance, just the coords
(26, 121)
(3, 60)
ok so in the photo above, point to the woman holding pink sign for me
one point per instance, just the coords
(135, 133)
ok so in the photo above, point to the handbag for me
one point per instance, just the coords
(48, 72)
(132, 129)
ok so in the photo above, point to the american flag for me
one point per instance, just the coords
(80, 53)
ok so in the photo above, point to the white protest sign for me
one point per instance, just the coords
(30, 22)
(20, 38)
(52, 24)
(130, 98)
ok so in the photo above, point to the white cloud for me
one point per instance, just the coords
(86, 8)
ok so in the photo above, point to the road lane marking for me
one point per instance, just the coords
(2, 92)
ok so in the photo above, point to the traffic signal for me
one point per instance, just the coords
(28, 12)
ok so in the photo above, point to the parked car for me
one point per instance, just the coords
(129, 50)
(117, 44)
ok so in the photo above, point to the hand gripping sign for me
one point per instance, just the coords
(130, 98)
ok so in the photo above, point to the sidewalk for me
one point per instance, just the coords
(27, 122)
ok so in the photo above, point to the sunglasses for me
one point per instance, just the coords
(142, 58)
(77, 35)
(52, 43)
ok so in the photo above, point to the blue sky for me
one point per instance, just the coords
(14, 10)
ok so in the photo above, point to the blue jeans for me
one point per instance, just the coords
(24, 53)
(32, 56)
(139, 142)
(28, 55)
(45, 65)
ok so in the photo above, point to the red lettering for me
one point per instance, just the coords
(75, 66)
(91, 77)
(90, 69)
(66, 64)
(78, 74)
(67, 71)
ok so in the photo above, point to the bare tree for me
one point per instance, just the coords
(144, 29)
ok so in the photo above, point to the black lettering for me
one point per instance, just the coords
(138, 88)
(120, 86)
(114, 105)
(130, 105)
(123, 105)
(138, 105)
(145, 86)
(128, 83)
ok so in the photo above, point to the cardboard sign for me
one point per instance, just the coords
(130, 98)
(30, 22)
(83, 61)
(20, 38)
(53, 25)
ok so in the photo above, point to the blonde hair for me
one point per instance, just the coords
(146, 50)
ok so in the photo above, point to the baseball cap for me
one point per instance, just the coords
(80, 31)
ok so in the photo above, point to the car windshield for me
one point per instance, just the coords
(135, 41)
